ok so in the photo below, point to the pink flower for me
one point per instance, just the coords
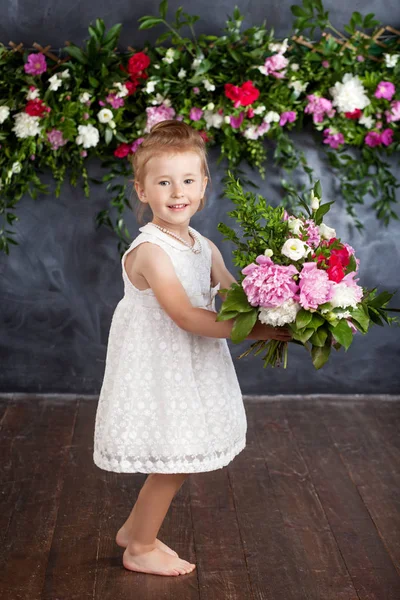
(274, 65)
(318, 107)
(263, 128)
(394, 113)
(102, 103)
(374, 138)
(387, 137)
(385, 90)
(136, 144)
(237, 121)
(83, 153)
(313, 232)
(115, 101)
(285, 215)
(86, 116)
(333, 139)
(36, 64)
(196, 90)
(315, 286)
(325, 64)
(287, 117)
(195, 113)
(56, 139)
(267, 284)
(351, 250)
(360, 58)
(156, 114)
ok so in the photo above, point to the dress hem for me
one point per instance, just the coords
(203, 467)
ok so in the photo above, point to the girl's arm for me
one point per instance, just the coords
(219, 272)
(156, 267)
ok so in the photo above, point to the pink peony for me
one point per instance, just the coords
(394, 113)
(386, 90)
(333, 139)
(267, 284)
(156, 114)
(287, 117)
(195, 113)
(315, 286)
(319, 108)
(36, 64)
(274, 65)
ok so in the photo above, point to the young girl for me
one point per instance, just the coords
(170, 402)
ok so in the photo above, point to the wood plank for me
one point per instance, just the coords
(369, 565)
(317, 556)
(24, 551)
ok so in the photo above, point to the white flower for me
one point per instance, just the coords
(251, 132)
(268, 252)
(159, 99)
(16, 167)
(213, 119)
(263, 69)
(32, 94)
(182, 74)
(344, 296)
(349, 94)
(326, 232)
(298, 86)
(210, 87)
(55, 83)
(88, 136)
(112, 124)
(123, 90)
(295, 224)
(150, 87)
(279, 48)
(227, 119)
(65, 74)
(210, 106)
(197, 61)
(84, 97)
(314, 201)
(156, 66)
(391, 60)
(4, 112)
(25, 125)
(295, 249)
(259, 109)
(294, 67)
(105, 115)
(279, 315)
(367, 121)
(169, 56)
(272, 116)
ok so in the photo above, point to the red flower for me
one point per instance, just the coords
(355, 114)
(244, 95)
(204, 135)
(36, 108)
(138, 63)
(122, 150)
(340, 254)
(335, 270)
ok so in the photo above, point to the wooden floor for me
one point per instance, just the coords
(309, 510)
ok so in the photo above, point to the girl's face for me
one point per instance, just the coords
(173, 187)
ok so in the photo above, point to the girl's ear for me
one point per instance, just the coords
(140, 192)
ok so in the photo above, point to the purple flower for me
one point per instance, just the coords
(267, 284)
(287, 117)
(56, 139)
(36, 64)
(385, 90)
(318, 107)
(156, 114)
(333, 139)
(195, 113)
(115, 101)
(136, 144)
(237, 121)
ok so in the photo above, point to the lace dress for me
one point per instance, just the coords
(170, 400)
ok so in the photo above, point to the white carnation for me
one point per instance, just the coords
(272, 116)
(344, 296)
(26, 125)
(88, 136)
(295, 249)
(104, 115)
(326, 232)
(279, 315)
(55, 83)
(32, 94)
(213, 119)
(391, 60)
(369, 122)
(298, 86)
(349, 94)
(4, 112)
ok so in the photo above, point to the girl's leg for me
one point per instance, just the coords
(151, 507)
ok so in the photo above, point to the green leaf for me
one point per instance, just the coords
(298, 11)
(303, 335)
(319, 337)
(236, 300)
(359, 315)
(149, 22)
(113, 34)
(108, 135)
(225, 315)
(163, 8)
(303, 318)
(318, 189)
(320, 354)
(76, 53)
(342, 332)
(100, 26)
(243, 325)
(380, 300)
(93, 81)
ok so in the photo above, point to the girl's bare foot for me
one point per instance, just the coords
(122, 539)
(155, 561)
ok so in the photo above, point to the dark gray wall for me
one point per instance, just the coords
(59, 287)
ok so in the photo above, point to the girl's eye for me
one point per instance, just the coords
(168, 181)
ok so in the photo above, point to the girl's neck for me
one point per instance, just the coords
(181, 229)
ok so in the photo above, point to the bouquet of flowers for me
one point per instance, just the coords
(298, 274)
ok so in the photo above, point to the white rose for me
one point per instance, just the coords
(295, 224)
(295, 249)
(272, 116)
(26, 125)
(4, 112)
(55, 83)
(314, 201)
(105, 115)
(326, 232)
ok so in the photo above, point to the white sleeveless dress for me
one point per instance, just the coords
(170, 400)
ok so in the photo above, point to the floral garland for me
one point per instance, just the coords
(100, 103)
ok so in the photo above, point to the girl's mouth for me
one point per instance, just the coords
(177, 207)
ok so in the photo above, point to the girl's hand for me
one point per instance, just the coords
(268, 332)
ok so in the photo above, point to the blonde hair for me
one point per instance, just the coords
(167, 136)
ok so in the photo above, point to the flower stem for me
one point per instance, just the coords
(179, 36)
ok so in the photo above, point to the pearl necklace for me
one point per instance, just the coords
(178, 237)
